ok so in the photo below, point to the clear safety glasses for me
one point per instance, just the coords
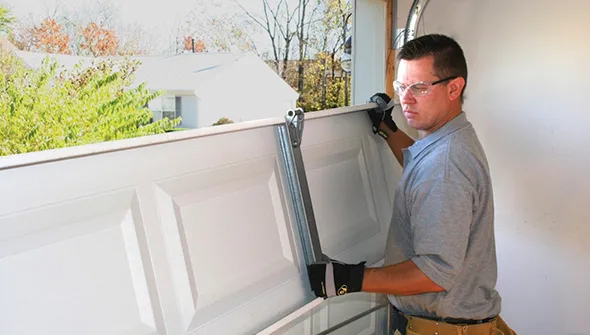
(418, 89)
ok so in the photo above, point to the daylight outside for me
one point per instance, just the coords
(79, 72)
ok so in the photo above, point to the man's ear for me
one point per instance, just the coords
(455, 87)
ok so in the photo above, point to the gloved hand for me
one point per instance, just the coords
(381, 114)
(332, 278)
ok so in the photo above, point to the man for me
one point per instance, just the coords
(440, 261)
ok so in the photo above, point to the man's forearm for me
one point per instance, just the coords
(398, 279)
(397, 141)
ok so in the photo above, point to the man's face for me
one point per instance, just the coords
(424, 112)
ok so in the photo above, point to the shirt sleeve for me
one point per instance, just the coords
(441, 216)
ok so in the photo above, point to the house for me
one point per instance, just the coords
(202, 88)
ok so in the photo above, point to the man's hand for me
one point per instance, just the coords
(381, 114)
(333, 278)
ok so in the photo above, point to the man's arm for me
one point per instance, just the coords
(441, 219)
(398, 279)
(328, 279)
(397, 141)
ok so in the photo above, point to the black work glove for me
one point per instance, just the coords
(332, 278)
(380, 114)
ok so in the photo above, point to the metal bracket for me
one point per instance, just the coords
(294, 120)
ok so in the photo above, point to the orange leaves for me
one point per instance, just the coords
(199, 45)
(99, 41)
(48, 37)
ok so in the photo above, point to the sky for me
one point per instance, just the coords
(141, 11)
(158, 17)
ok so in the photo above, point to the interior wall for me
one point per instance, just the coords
(528, 97)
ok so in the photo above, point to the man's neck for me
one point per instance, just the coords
(453, 113)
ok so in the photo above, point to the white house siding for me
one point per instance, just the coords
(245, 91)
(527, 98)
(245, 108)
(189, 107)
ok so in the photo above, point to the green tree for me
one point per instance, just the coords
(52, 107)
(6, 20)
(320, 91)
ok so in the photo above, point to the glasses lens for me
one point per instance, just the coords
(419, 89)
(399, 88)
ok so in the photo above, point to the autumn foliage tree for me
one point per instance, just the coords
(199, 46)
(99, 41)
(49, 37)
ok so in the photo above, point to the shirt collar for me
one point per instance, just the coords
(453, 125)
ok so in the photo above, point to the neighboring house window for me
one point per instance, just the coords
(178, 109)
(169, 107)
(165, 107)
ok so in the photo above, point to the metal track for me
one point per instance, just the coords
(290, 137)
(416, 11)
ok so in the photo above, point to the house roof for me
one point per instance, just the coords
(182, 74)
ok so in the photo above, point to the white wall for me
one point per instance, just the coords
(528, 99)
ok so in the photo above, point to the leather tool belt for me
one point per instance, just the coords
(403, 324)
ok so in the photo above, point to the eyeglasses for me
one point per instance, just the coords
(420, 88)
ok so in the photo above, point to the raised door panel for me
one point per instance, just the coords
(192, 236)
(347, 185)
(76, 267)
(232, 231)
(392, 170)
(352, 206)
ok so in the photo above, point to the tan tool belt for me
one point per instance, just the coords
(421, 326)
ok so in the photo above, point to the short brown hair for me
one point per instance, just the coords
(449, 59)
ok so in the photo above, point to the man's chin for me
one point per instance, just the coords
(413, 123)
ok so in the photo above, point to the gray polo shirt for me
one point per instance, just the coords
(443, 220)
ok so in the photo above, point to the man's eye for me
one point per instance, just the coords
(420, 87)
